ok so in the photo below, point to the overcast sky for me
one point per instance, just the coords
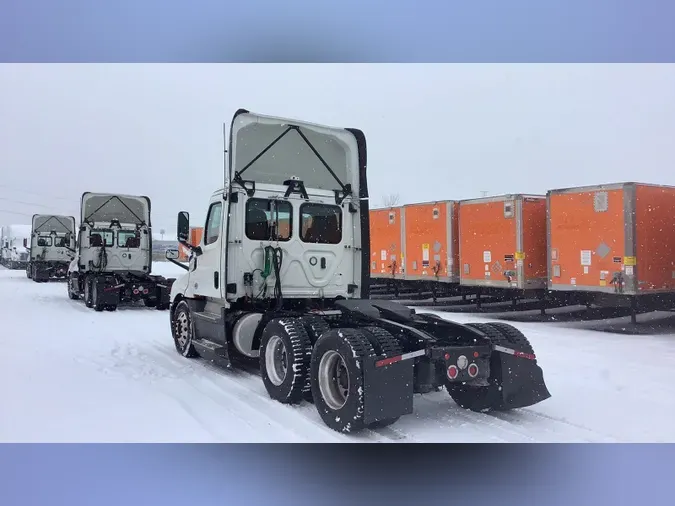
(434, 131)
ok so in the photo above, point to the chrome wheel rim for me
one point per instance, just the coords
(275, 360)
(333, 380)
(182, 329)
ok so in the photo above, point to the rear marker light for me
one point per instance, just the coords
(475, 354)
(453, 372)
(145, 292)
(473, 370)
(135, 291)
(447, 356)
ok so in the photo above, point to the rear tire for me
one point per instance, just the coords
(182, 330)
(150, 302)
(285, 353)
(514, 336)
(337, 378)
(88, 282)
(95, 299)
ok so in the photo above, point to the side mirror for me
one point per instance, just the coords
(25, 242)
(183, 228)
(172, 254)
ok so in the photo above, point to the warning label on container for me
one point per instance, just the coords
(425, 252)
(520, 255)
(383, 255)
(585, 269)
(585, 257)
(629, 270)
(487, 257)
(629, 261)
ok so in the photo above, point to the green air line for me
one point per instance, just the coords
(267, 269)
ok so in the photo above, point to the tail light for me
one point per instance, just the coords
(473, 370)
(453, 372)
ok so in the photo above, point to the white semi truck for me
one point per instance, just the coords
(281, 278)
(51, 247)
(113, 258)
(13, 252)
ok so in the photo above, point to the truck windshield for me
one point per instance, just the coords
(44, 241)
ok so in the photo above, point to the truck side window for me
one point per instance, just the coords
(269, 221)
(213, 219)
(321, 223)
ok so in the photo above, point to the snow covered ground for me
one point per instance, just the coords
(70, 374)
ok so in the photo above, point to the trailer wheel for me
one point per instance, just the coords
(183, 330)
(337, 378)
(479, 398)
(285, 352)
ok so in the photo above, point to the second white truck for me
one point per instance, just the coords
(51, 247)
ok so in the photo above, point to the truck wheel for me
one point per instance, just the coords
(182, 330)
(71, 293)
(29, 274)
(88, 282)
(315, 326)
(337, 378)
(479, 398)
(514, 336)
(95, 299)
(285, 352)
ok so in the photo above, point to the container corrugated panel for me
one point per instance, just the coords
(385, 243)
(502, 242)
(613, 238)
(431, 243)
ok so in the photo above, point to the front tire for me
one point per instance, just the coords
(285, 353)
(182, 330)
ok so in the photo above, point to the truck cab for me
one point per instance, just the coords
(287, 226)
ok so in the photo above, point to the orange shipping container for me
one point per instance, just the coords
(431, 245)
(502, 242)
(612, 238)
(195, 238)
(385, 242)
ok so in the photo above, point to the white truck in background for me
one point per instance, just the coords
(13, 253)
(51, 247)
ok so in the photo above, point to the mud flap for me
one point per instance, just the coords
(521, 380)
(108, 294)
(388, 390)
